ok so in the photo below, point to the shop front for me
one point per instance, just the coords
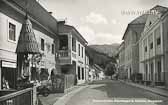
(8, 75)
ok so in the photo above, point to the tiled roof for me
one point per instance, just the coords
(37, 12)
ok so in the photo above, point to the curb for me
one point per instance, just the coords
(145, 88)
(64, 99)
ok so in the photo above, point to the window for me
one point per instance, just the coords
(73, 44)
(146, 71)
(158, 41)
(12, 32)
(150, 23)
(42, 44)
(159, 68)
(83, 73)
(79, 49)
(145, 48)
(63, 42)
(82, 52)
(53, 48)
(151, 45)
(79, 73)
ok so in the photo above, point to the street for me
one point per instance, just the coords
(108, 92)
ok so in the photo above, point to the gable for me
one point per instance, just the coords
(150, 20)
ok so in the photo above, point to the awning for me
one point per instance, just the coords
(27, 42)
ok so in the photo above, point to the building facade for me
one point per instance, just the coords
(121, 64)
(153, 48)
(12, 16)
(87, 67)
(72, 52)
(131, 47)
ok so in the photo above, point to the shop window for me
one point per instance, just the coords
(42, 44)
(63, 42)
(8, 78)
(12, 32)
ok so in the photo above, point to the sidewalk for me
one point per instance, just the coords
(159, 91)
(59, 98)
(64, 99)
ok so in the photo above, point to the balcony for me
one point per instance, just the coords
(64, 57)
(63, 53)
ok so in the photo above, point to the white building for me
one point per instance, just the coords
(12, 16)
(72, 52)
(153, 48)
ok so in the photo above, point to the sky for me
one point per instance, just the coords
(100, 21)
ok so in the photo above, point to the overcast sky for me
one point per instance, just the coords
(99, 21)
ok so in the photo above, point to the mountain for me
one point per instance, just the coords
(98, 58)
(110, 49)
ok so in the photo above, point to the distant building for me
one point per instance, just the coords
(121, 64)
(72, 52)
(87, 66)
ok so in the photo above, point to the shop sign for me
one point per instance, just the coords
(8, 64)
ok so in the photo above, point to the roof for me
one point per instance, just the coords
(27, 41)
(161, 9)
(63, 28)
(141, 20)
(37, 12)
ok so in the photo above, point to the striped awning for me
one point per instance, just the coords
(27, 42)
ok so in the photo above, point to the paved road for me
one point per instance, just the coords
(107, 91)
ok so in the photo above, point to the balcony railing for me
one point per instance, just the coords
(23, 97)
(63, 53)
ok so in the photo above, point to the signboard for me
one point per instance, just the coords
(8, 64)
(58, 83)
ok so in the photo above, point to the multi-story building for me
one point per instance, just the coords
(131, 47)
(121, 64)
(153, 48)
(87, 66)
(12, 16)
(71, 51)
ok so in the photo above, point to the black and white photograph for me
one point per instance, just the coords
(83, 52)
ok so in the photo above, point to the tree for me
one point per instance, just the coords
(110, 69)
